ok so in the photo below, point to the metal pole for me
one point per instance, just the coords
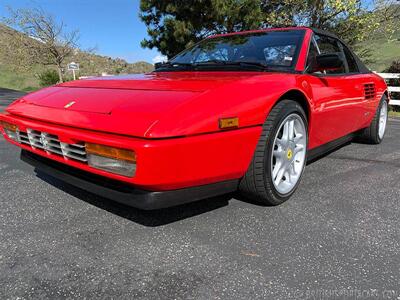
(73, 72)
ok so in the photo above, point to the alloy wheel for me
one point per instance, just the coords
(383, 119)
(289, 154)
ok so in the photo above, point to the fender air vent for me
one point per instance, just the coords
(369, 89)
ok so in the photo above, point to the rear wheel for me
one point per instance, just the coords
(280, 156)
(375, 133)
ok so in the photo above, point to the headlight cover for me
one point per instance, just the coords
(113, 160)
(11, 130)
(11, 134)
(111, 165)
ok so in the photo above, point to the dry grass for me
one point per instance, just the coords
(394, 114)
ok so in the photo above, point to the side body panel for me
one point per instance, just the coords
(372, 104)
(338, 106)
(338, 109)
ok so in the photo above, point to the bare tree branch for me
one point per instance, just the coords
(49, 43)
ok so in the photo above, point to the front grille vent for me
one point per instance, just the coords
(52, 145)
(370, 92)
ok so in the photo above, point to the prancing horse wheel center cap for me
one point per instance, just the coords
(289, 154)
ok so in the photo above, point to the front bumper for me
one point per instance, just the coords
(162, 164)
(122, 193)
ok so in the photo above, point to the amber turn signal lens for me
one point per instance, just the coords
(111, 152)
(8, 126)
(227, 123)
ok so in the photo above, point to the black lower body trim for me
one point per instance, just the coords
(324, 149)
(123, 193)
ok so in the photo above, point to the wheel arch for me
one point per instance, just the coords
(386, 93)
(299, 97)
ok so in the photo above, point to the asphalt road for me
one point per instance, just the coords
(337, 238)
(7, 96)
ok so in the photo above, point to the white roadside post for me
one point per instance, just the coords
(73, 67)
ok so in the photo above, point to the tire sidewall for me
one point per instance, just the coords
(378, 138)
(291, 108)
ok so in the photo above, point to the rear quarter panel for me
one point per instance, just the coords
(381, 89)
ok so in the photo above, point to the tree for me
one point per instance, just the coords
(352, 20)
(177, 24)
(174, 25)
(49, 43)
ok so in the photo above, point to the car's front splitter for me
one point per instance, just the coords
(122, 193)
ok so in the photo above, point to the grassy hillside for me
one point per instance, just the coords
(383, 53)
(90, 64)
(21, 80)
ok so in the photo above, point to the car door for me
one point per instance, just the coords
(365, 82)
(337, 94)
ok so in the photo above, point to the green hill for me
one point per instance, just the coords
(25, 78)
(383, 53)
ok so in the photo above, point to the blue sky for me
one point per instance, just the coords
(113, 26)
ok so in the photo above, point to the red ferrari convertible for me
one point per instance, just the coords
(242, 111)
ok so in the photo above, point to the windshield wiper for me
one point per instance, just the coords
(169, 64)
(241, 64)
(214, 63)
(178, 65)
(211, 62)
(245, 64)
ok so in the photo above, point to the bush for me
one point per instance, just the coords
(48, 77)
(394, 67)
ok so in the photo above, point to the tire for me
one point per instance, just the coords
(372, 134)
(258, 184)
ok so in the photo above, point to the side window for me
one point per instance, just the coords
(351, 62)
(329, 45)
(312, 57)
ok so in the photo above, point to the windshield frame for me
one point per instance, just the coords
(168, 66)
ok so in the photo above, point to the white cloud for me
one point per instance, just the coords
(159, 58)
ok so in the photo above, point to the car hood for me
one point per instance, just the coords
(128, 105)
(162, 81)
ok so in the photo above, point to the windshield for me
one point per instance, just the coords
(263, 50)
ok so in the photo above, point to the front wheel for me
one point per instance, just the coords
(280, 157)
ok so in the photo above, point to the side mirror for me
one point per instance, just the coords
(158, 65)
(328, 62)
